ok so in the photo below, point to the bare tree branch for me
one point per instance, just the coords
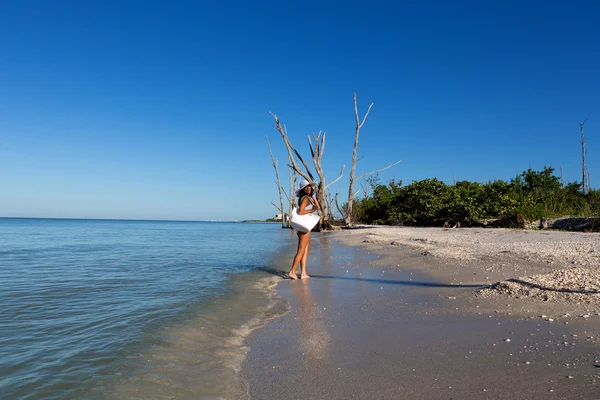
(366, 115)
(356, 113)
(278, 209)
(291, 150)
(330, 206)
(279, 188)
(291, 199)
(312, 179)
(365, 189)
(322, 146)
(338, 207)
(317, 151)
(336, 179)
(285, 193)
(310, 146)
(316, 138)
(379, 170)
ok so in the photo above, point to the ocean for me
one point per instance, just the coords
(106, 309)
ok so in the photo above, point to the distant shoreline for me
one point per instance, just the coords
(261, 221)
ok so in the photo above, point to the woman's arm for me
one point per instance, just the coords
(317, 205)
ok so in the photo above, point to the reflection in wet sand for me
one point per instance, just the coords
(324, 246)
(315, 341)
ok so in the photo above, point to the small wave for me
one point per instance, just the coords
(204, 356)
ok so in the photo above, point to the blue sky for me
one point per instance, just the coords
(158, 110)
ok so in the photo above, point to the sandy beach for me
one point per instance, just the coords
(422, 313)
(550, 273)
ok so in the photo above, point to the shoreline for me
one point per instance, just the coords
(204, 354)
(376, 319)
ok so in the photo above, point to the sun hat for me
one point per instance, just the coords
(302, 184)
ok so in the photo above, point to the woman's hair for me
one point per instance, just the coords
(301, 194)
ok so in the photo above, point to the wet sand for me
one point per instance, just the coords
(371, 324)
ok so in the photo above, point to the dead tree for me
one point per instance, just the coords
(587, 176)
(562, 182)
(279, 188)
(351, 193)
(584, 181)
(359, 124)
(316, 150)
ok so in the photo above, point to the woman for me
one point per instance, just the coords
(307, 203)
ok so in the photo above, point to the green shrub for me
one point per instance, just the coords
(531, 195)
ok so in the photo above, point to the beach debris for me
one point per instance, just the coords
(575, 286)
(507, 340)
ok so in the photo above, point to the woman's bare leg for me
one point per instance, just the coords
(304, 275)
(303, 239)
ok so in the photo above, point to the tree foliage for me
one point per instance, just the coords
(530, 195)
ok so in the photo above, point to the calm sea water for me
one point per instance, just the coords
(128, 309)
